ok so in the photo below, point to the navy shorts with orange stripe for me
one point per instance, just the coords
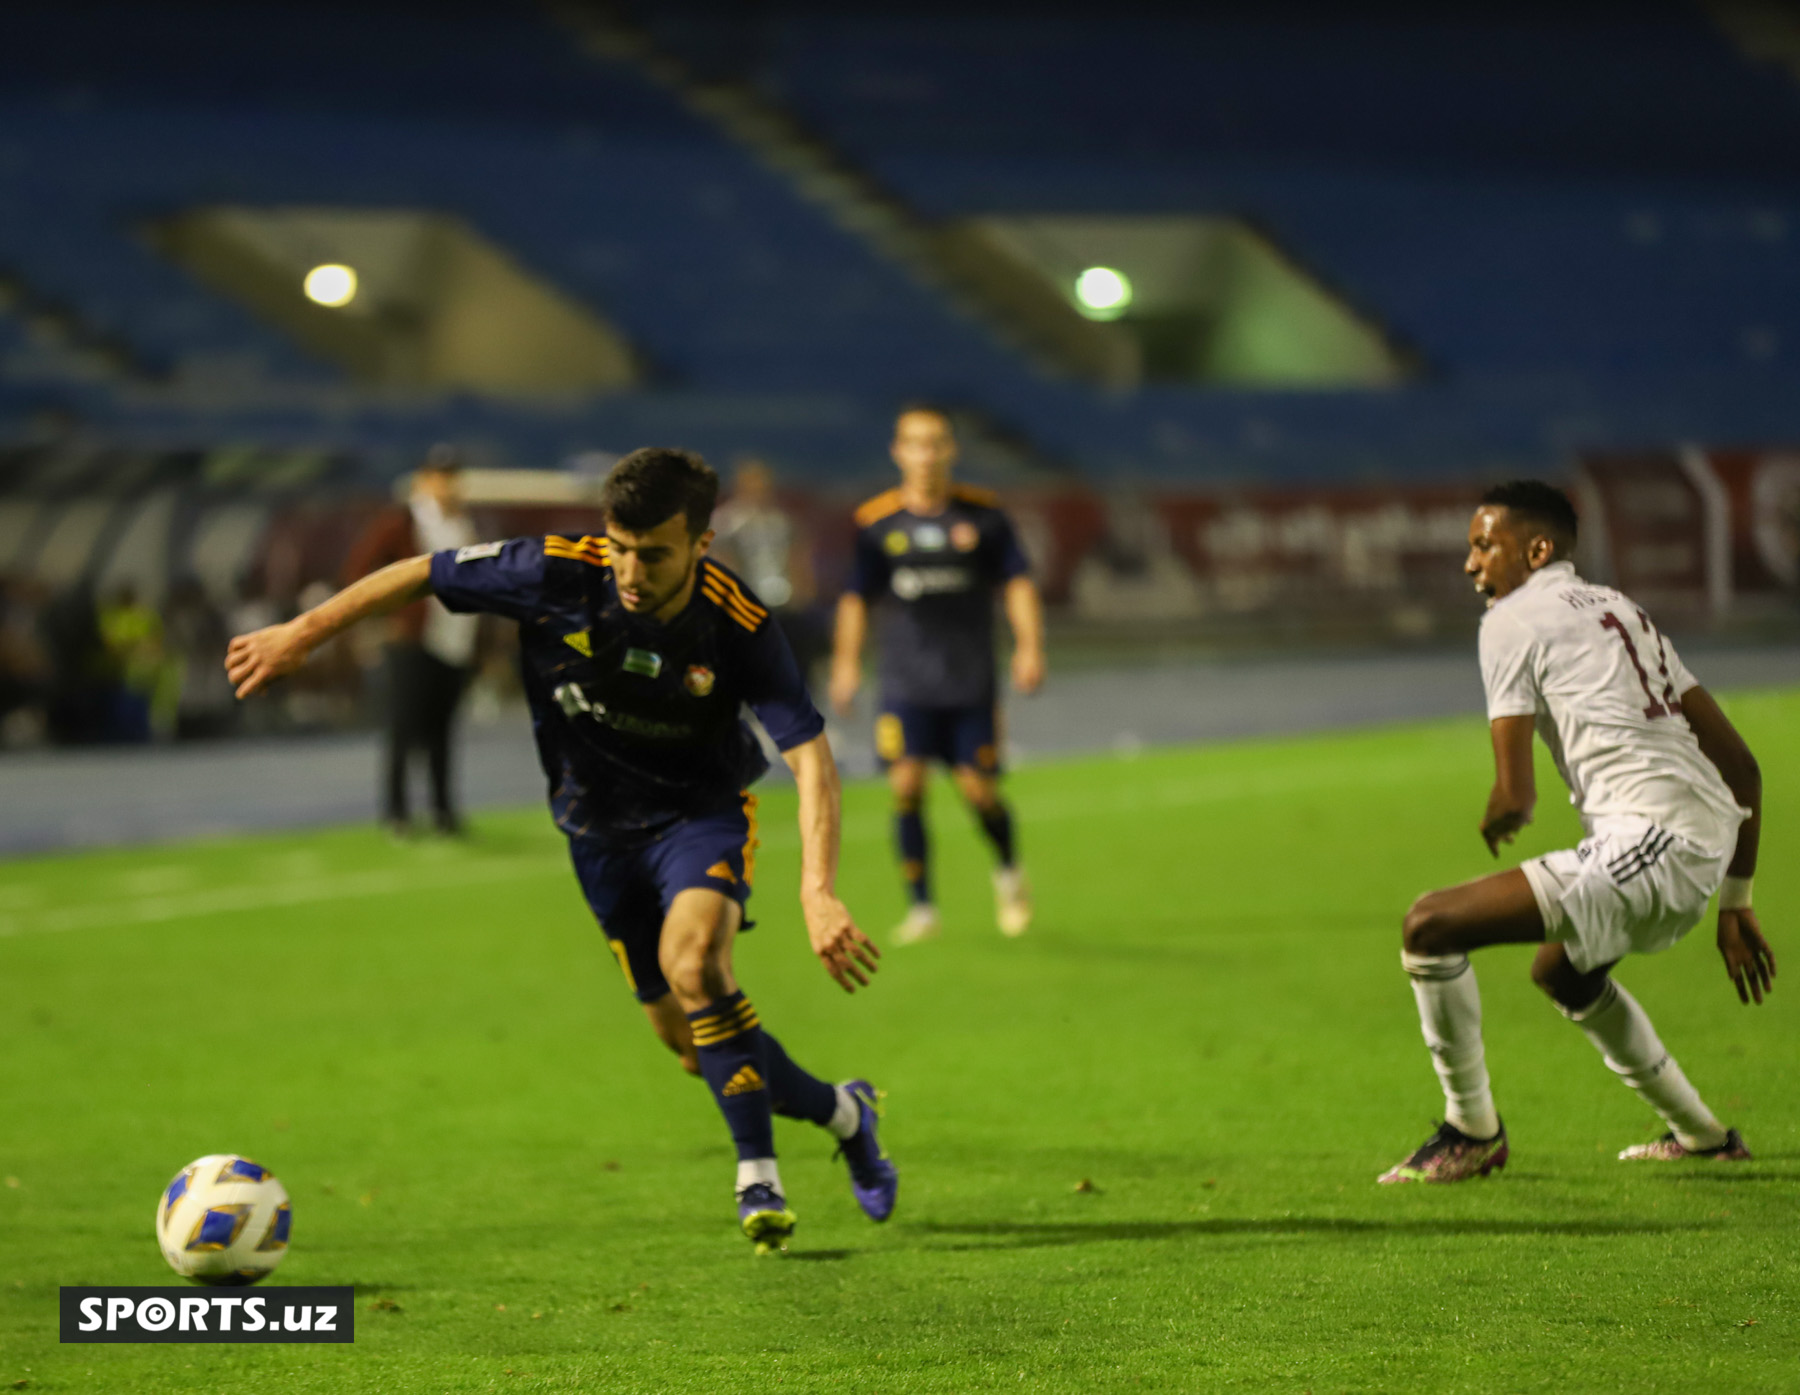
(966, 735)
(629, 886)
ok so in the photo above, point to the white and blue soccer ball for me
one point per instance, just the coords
(223, 1220)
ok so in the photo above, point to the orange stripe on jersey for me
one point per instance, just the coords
(731, 585)
(878, 508)
(727, 604)
(593, 551)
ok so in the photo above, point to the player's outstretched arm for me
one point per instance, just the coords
(1514, 795)
(1025, 613)
(846, 650)
(1748, 959)
(257, 659)
(847, 954)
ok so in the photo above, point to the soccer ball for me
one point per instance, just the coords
(223, 1220)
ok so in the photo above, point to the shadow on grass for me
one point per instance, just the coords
(1755, 1174)
(818, 1256)
(1023, 1235)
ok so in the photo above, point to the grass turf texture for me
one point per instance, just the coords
(431, 1046)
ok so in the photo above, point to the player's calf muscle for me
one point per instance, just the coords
(1562, 982)
(670, 1024)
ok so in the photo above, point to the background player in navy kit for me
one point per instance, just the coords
(638, 651)
(931, 554)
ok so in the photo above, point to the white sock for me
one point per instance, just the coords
(1621, 1032)
(754, 1170)
(848, 1118)
(1450, 1017)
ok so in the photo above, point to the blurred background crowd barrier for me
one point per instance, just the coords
(1237, 305)
(124, 575)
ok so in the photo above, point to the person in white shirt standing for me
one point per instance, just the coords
(430, 652)
(1670, 798)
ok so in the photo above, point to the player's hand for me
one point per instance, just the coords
(845, 682)
(1748, 958)
(848, 955)
(1027, 670)
(1502, 826)
(257, 659)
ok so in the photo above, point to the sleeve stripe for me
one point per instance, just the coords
(878, 508)
(716, 575)
(730, 606)
(724, 602)
(593, 551)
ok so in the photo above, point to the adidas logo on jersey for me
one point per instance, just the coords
(722, 871)
(744, 1082)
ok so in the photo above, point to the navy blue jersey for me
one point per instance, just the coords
(637, 722)
(932, 580)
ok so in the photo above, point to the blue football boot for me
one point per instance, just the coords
(763, 1213)
(874, 1180)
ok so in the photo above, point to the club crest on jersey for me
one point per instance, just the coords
(580, 643)
(642, 662)
(698, 680)
(964, 536)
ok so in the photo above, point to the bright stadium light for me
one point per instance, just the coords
(331, 284)
(1102, 293)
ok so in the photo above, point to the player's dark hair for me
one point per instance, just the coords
(650, 486)
(936, 409)
(1543, 504)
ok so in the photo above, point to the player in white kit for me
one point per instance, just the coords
(1671, 801)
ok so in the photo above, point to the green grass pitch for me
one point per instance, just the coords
(1138, 1146)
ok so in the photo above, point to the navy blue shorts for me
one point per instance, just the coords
(953, 735)
(629, 888)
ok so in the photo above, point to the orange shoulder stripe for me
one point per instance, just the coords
(725, 579)
(874, 510)
(593, 551)
(728, 604)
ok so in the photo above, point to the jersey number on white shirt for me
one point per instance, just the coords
(1668, 705)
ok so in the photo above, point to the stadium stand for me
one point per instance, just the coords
(1581, 218)
(1582, 214)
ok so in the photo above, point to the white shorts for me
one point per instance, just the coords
(1631, 888)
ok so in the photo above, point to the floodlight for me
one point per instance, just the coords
(331, 284)
(1102, 293)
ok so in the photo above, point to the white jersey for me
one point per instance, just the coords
(1605, 687)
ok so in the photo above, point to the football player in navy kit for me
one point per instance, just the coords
(638, 651)
(930, 556)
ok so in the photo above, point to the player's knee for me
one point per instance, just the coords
(684, 966)
(981, 795)
(1428, 927)
(909, 789)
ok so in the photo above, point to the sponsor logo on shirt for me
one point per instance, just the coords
(576, 703)
(642, 662)
(698, 680)
(912, 582)
(928, 537)
(474, 552)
